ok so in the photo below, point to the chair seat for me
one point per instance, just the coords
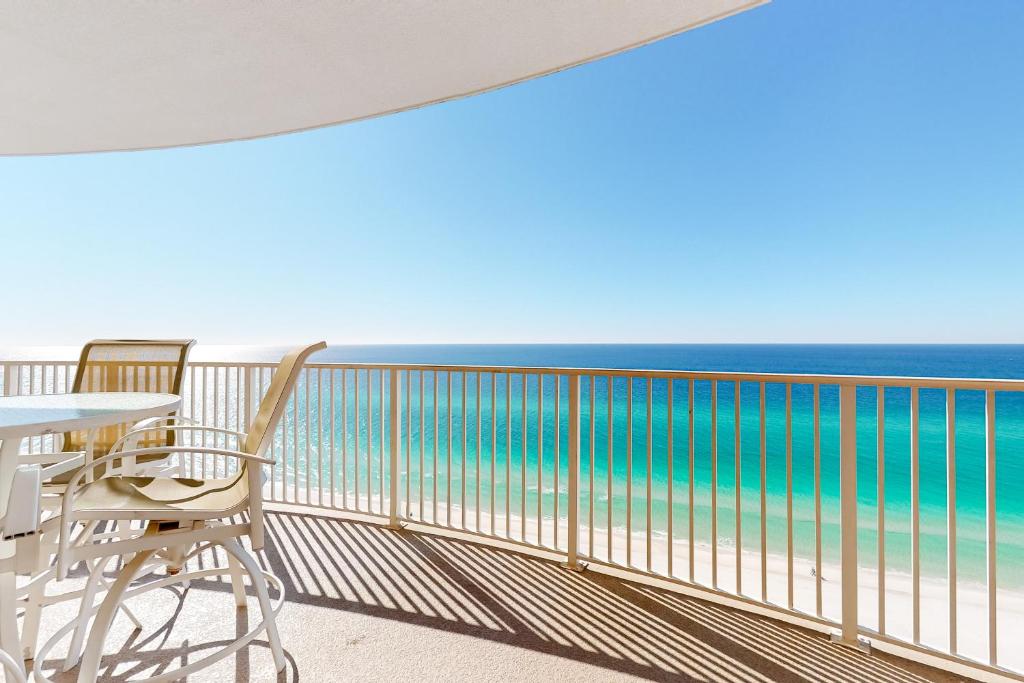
(156, 498)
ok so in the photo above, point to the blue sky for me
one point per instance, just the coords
(809, 171)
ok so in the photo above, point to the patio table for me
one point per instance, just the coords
(27, 416)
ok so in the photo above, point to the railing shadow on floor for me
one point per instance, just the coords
(533, 604)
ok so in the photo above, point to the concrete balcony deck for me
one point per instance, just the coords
(366, 603)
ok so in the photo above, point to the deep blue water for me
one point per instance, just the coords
(987, 361)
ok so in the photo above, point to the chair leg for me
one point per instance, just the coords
(88, 596)
(8, 621)
(10, 665)
(90, 666)
(33, 613)
(237, 583)
(260, 585)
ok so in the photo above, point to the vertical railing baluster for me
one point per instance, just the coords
(423, 438)
(649, 464)
(344, 439)
(462, 500)
(629, 472)
(557, 452)
(990, 521)
(250, 400)
(295, 446)
(357, 429)
(817, 500)
(714, 483)
(689, 475)
(380, 438)
(522, 464)
(433, 500)
(369, 440)
(590, 473)
(540, 459)
(508, 455)
(395, 407)
(448, 434)
(494, 441)
(408, 441)
(915, 514)
(239, 427)
(611, 458)
(216, 410)
(738, 460)
(880, 483)
(848, 510)
(333, 454)
(319, 438)
(8, 379)
(202, 456)
(669, 454)
(951, 511)
(574, 473)
(789, 495)
(764, 497)
(479, 443)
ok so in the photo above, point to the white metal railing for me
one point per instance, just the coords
(649, 472)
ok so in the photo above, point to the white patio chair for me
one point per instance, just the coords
(182, 516)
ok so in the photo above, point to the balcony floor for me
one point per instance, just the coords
(367, 604)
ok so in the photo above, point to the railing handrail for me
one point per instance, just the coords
(965, 383)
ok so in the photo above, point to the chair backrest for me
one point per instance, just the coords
(150, 365)
(261, 433)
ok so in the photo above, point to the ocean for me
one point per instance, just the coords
(967, 361)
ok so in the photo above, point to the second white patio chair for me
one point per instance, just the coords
(180, 514)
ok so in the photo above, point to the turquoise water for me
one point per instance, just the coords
(960, 361)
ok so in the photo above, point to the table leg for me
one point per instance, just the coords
(9, 639)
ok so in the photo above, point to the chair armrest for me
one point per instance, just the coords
(133, 433)
(47, 458)
(73, 462)
(248, 457)
(160, 419)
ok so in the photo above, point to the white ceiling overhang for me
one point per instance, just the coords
(121, 75)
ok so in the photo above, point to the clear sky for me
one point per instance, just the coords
(809, 171)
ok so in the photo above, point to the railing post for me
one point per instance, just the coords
(848, 634)
(394, 402)
(9, 379)
(250, 404)
(572, 561)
